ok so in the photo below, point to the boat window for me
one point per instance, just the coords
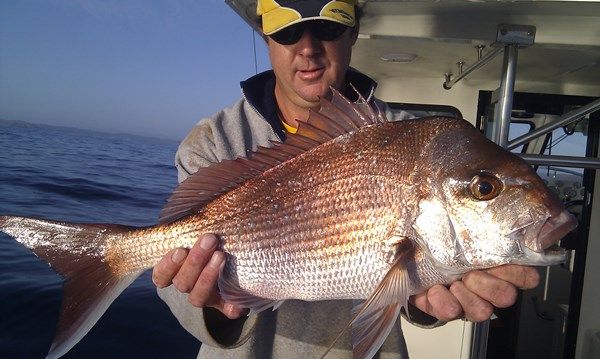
(519, 128)
(424, 110)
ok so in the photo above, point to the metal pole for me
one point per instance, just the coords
(562, 121)
(507, 86)
(500, 136)
(484, 60)
(562, 161)
(480, 340)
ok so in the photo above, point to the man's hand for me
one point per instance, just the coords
(475, 296)
(196, 272)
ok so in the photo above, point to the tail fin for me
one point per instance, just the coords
(79, 253)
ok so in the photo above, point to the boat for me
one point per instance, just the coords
(527, 74)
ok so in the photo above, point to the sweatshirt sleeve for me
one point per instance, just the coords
(207, 324)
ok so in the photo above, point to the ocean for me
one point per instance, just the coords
(76, 175)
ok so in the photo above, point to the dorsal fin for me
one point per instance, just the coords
(336, 117)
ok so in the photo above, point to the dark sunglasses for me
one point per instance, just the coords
(320, 29)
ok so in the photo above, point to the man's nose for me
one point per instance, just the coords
(308, 45)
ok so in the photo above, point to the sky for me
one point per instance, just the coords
(144, 67)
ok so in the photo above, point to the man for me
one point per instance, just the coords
(310, 44)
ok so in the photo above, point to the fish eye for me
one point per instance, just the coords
(485, 187)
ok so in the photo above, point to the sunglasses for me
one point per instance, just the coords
(320, 29)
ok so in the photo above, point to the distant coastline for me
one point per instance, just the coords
(26, 124)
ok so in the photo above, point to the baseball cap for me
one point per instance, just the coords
(277, 15)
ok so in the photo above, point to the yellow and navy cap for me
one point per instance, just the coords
(277, 15)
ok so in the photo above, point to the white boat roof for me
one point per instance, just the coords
(441, 33)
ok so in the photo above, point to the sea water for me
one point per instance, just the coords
(83, 176)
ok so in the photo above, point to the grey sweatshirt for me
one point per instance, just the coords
(297, 329)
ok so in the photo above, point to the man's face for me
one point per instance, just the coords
(305, 70)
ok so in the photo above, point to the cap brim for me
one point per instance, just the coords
(281, 17)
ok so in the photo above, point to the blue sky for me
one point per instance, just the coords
(144, 67)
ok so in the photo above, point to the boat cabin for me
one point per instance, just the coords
(527, 74)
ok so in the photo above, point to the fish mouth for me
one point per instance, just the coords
(550, 256)
(553, 229)
(554, 250)
(539, 244)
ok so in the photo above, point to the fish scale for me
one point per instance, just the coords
(345, 205)
(309, 248)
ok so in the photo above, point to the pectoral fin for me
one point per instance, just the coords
(375, 318)
(369, 331)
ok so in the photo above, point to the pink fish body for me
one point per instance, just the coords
(350, 207)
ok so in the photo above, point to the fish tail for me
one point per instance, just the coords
(81, 253)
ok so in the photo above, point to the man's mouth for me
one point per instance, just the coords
(311, 74)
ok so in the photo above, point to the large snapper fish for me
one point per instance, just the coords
(350, 207)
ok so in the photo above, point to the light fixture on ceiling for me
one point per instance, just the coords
(398, 57)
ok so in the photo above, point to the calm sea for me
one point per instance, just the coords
(82, 176)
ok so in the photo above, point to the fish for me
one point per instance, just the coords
(352, 206)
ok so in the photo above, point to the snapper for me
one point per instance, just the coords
(352, 206)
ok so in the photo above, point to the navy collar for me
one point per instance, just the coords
(259, 91)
